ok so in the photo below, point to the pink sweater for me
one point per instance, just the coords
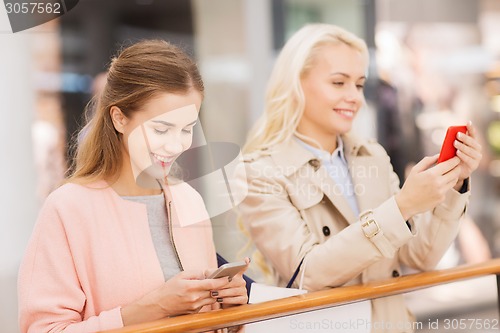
(91, 253)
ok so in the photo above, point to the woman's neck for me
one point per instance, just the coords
(327, 142)
(127, 185)
(125, 188)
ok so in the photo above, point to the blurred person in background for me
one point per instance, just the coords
(327, 204)
(411, 92)
(97, 87)
(48, 145)
(123, 242)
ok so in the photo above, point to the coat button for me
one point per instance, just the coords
(315, 163)
(326, 231)
(395, 273)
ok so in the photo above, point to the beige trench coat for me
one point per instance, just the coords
(294, 210)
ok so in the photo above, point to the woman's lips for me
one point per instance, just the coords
(164, 161)
(349, 114)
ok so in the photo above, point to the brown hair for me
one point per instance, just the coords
(137, 74)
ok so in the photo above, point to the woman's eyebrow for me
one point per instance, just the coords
(346, 75)
(339, 73)
(170, 124)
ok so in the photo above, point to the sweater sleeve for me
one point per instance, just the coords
(49, 292)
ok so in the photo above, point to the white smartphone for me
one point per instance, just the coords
(230, 269)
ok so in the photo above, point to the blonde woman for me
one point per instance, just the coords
(327, 202)
(121, 243)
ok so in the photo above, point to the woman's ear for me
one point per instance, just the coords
(118, 118)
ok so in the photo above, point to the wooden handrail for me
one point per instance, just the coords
(312, 301)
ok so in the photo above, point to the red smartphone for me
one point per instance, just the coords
(448, 150)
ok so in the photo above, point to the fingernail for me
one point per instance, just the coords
(455, 143)
(215, 293)
(459, 135)
(219, 300)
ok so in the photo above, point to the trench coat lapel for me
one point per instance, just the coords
(369, 173)
(326, 183)
(291, 156)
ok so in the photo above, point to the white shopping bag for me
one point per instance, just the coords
(349, 318)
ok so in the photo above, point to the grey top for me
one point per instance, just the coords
(160, 232)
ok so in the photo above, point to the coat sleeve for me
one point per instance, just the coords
(49, 293)
(434, 230)
(280, 233)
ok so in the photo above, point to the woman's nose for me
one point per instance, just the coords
(354, 94)
(173, 146)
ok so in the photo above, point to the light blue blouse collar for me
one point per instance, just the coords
(323, 154)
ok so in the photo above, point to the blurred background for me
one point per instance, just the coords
(434, 63)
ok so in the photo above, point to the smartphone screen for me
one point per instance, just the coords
(448, 150)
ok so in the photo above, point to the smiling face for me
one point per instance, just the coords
(333, 91)
(157, 134)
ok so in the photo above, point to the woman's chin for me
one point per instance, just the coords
(345, 131)
(341, 130)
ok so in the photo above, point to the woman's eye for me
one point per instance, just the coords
(340, 84)
(157, 131)
(188, 130)
(360, 86)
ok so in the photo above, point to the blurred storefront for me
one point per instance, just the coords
(441, 64)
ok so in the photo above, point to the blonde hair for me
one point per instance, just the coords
(137, 74)
(284, 100)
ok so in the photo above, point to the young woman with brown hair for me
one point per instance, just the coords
(122, 242)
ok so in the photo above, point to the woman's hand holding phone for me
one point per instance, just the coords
(186, 292)
(427, 185)
(428, 182)
(235, 291)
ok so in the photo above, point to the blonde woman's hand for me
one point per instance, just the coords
(470, 153)
(187, 292)
(234, 292)
(427, 185)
